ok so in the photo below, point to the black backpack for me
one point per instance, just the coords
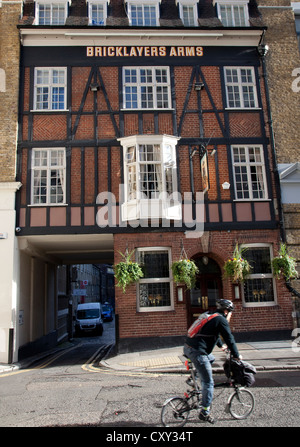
(241, 372)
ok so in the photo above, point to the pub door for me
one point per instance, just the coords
(208, 289)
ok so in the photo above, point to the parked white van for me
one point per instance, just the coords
(89, 318)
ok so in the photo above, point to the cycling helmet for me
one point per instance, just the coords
(225, 305)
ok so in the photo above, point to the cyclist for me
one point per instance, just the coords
(199, 349)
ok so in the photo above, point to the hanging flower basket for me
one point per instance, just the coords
(184, 271)
(284, 265)
(237, 268)
(127, 272)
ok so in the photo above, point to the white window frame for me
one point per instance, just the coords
(168, 279)
(247, 165)
(145, 91)
(50, 85)
(260, 276)
(242, 5)
(137, 205)
(48, 167)
(236, 88)
(51, 4)
(142, 4)
(97, 3)
(188, 4)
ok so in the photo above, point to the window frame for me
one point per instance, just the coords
(188, 4)
(240, 85)
(168, 279)
(230, 4)
(260, 276)
(142, 4)
(50, 85)
(48, 168)
(139, 85)
(90, 4)
(51, 3)
(248, 164)
(166, 205)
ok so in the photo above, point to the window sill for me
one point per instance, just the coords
(42, 205)
(265, 304)
(251, 200)
(241, 109)
(146, 110)
(150, 209)
(49, 111)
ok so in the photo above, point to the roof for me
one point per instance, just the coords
(117, 15)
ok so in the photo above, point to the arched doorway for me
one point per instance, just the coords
(208, 288)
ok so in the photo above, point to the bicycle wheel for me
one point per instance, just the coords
(175, 412)
(241, 403)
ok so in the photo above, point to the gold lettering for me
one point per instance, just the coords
(98, 51)
(173, 51)
(162, 51)
(140, 50)
(133, 51)
(89, 51)
(125, 51)
(119, 51)
(154, 51)
(147, 51)
(199, 51)
(190, 51)
(111, 51)
(180, 51)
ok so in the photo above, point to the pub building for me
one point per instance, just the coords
(143, 129)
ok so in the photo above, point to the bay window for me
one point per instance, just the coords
(150, 175)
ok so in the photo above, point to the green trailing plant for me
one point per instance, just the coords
(284, 265)
(184, 271)
(127, 271)
(237, 268)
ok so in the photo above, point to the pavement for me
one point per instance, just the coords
(264, 355)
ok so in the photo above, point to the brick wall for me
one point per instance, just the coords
(9, 62)
(282, 59)
(140, 324)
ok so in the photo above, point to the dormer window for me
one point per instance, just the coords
(188, 12)
(233, 13)
(51, 12)
(97, 11)
(143, 13)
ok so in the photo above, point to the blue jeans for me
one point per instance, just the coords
(203, 366)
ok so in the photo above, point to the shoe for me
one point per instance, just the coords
(190, 381)
(206, 418)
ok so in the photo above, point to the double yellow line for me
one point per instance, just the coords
(42, 365)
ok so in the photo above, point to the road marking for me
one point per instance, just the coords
(42, 365)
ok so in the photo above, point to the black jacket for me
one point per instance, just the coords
(205, 341)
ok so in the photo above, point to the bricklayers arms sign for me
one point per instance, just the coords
(138, 51)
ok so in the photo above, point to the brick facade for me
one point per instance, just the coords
(92, 129)
(282, 60)
(9, 63)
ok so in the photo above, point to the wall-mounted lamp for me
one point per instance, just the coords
(94, 86)
(213, 152)
(198, 86)
(262, 49)
(226, 185)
